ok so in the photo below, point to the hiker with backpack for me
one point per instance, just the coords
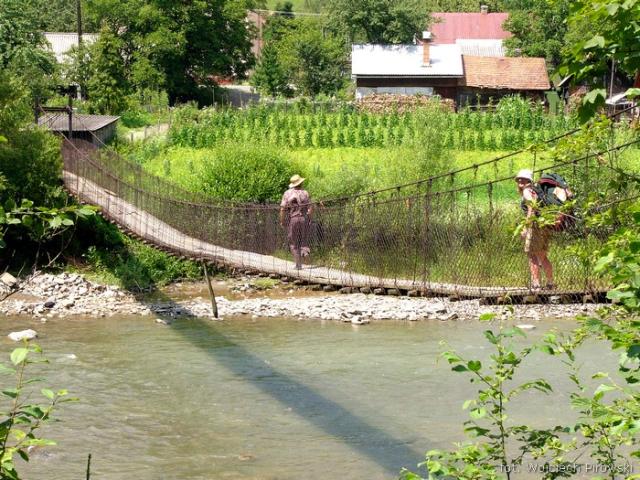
(536, 238)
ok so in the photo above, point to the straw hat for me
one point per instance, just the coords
(295, 181)
(525, 174)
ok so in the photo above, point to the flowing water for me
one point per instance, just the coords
(262, 399)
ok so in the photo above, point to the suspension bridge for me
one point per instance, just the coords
(447, 235)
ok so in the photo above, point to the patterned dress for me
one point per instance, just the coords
(296, 202)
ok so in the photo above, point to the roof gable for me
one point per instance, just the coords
(449, 27)
(510, 73)
(405, 60)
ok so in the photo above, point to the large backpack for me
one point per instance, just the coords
(547, 189)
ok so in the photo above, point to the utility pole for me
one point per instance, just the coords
(79, 22)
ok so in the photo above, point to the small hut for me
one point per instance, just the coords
(95, 129)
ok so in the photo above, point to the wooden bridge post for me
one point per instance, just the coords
(214, 304)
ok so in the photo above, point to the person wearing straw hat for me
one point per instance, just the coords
(536, 239)
(295, 213)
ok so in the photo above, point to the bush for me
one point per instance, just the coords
(135, 266)
(247, 173)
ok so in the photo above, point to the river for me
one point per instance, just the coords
(263, 398)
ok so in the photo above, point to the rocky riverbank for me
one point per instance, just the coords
(50, 296)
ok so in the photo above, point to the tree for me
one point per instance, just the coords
(270, 76)
(538, 28)
(613, 36)
(177, 45)
(29, 158)
(108, 84)
(317, 64)
(298, 53)
(23, 48)
(378, 21)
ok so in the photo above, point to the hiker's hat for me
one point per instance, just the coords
(526, 174)
(295, 181)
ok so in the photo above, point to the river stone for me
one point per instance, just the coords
(8, 279)
(23, 335)
(329, 288)
(394, 292)
(359, 321)
(49, 304)
(413, 293)
(365, 290)
(526, 326)
(379, 291)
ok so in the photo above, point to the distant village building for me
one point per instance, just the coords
(443, 70)
(62, 42)
(479, 34)
(407, 69)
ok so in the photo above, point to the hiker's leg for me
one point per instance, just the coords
(547, 267)
(534, 267)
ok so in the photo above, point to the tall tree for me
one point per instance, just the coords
(538, 28)
(178, 45)
(378, 21)
(270, 76)
(23, 48)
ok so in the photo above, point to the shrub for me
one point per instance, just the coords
(247, 173)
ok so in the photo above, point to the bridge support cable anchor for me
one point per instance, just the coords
(214, 304)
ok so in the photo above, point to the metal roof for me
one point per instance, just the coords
(449, 27)
(481, 47)
(405, 60)
(62, 43)
(59, 122)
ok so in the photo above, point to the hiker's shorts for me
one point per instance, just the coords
(537, 240)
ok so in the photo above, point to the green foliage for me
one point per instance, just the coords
(538, 28)
(29, 158)
(136, 266)
(377, 21)
(270, 76)
(600, 33)
(248, 174)
(23, 49)
(490, 456)
(298, 53)
(108, 84)
(172, 46)
(40, 224)
(21, 417)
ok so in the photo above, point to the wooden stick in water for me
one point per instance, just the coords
(214, 305)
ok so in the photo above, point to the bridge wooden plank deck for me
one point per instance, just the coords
(164, 236)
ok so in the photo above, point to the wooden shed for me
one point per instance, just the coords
(95, 129)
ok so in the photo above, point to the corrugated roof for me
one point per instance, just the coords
(510, 73)
(59, 122)
(449, 27)
(61, 42)
(405, 60)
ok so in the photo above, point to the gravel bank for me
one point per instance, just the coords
(49, 296)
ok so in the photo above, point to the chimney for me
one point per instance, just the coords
(426, 41)
(484, 9)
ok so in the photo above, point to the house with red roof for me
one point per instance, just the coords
(478, 34)
(444, 71)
